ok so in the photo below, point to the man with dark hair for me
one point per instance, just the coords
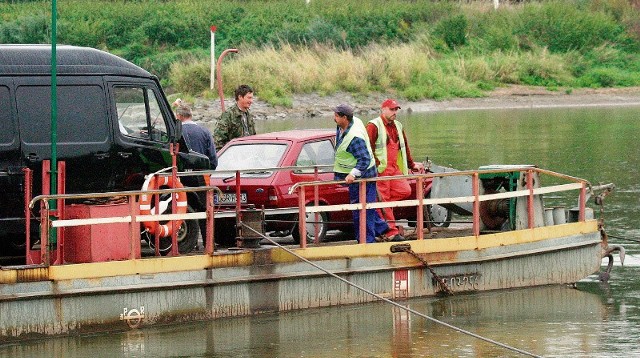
(198, 138)
(354, 160)
(236, 121)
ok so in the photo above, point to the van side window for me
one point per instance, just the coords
(139, 114)
(316, 153)
(81, 118)
(6, 124)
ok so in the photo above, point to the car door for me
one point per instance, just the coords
(322, 153)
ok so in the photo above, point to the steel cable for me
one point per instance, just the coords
(435, 320)
(624, 238)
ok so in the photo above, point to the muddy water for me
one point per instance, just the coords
(593, 319)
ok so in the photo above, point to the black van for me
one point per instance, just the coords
(114, 125)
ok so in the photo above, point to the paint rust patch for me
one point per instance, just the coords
(32, 274)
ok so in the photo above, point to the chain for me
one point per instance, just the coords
(407, 248)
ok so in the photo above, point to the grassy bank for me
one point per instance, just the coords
(413, 49)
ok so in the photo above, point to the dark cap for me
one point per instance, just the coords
(344, 109)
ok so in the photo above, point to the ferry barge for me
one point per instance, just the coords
(94, 277)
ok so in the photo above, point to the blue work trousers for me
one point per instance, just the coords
(375, 225)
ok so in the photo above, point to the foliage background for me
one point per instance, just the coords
(411, 48)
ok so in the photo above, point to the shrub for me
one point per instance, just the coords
(562, 26)
(160, 63)
(191, 76)
(30, 29)
(608, 77)
(453, 30)
(540, 68)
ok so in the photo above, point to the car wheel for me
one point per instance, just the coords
(322, 225)
(438, 215)
(187, 237)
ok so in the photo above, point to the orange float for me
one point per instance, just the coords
(146, 208)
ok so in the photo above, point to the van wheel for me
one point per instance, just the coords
(322, 225)
(187, 237)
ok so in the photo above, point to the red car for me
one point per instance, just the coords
(270, 188)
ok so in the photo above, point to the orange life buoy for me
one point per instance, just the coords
(154, 183)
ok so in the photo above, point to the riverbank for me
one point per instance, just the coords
(314, 105)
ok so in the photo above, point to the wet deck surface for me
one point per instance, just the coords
(337, 238)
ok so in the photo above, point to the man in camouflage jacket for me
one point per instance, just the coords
(236, 121)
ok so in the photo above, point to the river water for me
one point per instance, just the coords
(592, 319)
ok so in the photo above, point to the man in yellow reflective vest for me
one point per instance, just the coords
(391, 152)
(354, 160)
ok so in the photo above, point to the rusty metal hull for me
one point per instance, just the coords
(69, 299)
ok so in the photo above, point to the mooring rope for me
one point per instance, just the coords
(624, 238)
(435, 320)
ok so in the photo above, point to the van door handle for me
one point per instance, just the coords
(101, 155)
(32, 157)
(124, 154)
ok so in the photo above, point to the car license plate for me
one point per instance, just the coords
(229, 198)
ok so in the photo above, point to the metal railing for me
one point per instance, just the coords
(475, 198)
(210, 213)
(133, 219)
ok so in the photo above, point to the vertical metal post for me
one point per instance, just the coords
(362, 227)
(420, 212)
(213, 56)
(45, 213)
(173, 149)
(209, 242)
(156, 235)
(302, 217)
(132, 228)
(475, 185)
(44, 233)
(60, 213)
(316, 202)
(582, 202)
(54, 112)
(530, 216)
(218, 66)
(27, 213)
(238, 204)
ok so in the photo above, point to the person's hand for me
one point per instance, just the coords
(349, 179)
(417, 168)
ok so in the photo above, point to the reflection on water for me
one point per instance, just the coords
(598, 144)
(550, 321)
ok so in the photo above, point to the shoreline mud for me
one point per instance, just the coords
(314, 105)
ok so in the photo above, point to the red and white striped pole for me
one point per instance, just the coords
(213, 55)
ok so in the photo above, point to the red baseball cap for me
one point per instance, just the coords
(390, 103)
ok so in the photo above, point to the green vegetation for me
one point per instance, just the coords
(414, 49)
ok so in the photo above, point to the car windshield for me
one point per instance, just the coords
(251, 156)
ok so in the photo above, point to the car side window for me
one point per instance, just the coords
(316, 153)
(139, 114)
